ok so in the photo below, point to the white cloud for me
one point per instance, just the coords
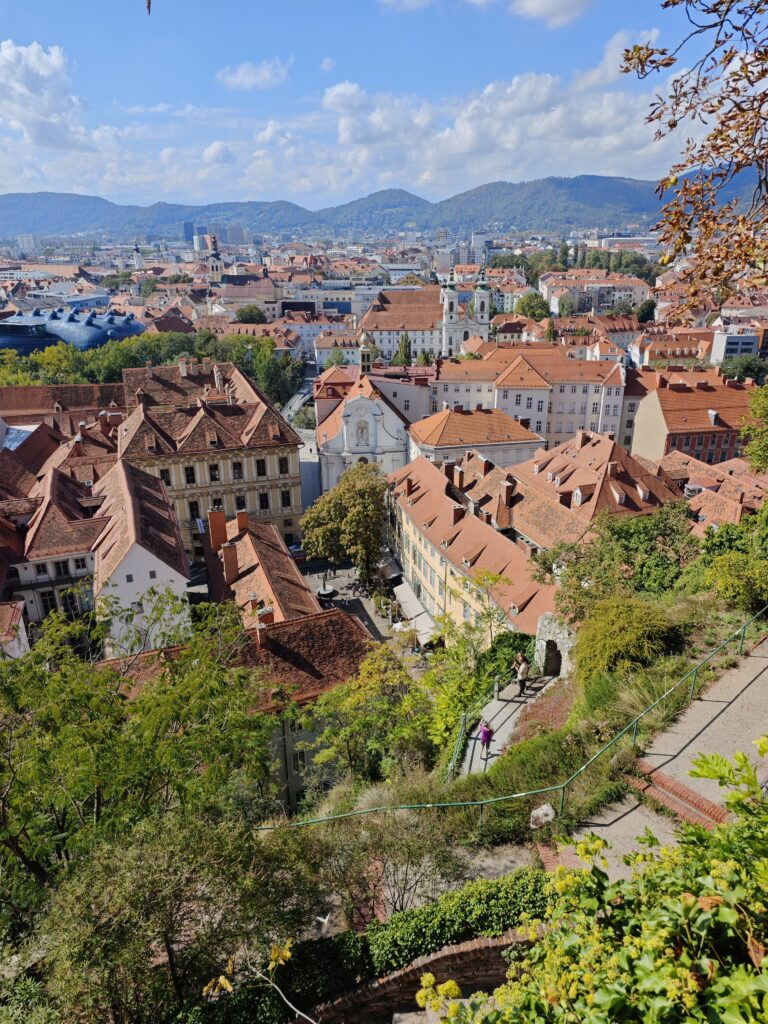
(327, 64)
(555, 13)
(267, 74)
(36, 97)
(608, 70)
(218, 153)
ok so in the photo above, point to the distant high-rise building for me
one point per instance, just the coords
(201, 229)
(27, 244)
(189, 231)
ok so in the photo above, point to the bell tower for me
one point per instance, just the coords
(450, 300)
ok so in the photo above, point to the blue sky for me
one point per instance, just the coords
(320, 102)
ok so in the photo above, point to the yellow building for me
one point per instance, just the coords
(443, 542)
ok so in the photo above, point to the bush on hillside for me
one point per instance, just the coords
(740, 579)
(618, 636)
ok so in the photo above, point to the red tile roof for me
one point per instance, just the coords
(453, 427)
(559, 492)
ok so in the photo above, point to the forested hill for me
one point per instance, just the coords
(547, 204)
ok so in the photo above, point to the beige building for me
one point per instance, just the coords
(216, 442)
(697, 412)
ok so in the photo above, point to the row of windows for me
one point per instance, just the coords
(240, 503)
(214, 472)
(61, 569)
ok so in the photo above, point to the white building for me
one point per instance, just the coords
(363, 427)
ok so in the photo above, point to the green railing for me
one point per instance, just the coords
(561, 787)
(471, 715)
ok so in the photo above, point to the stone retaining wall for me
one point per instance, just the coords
(476, 965)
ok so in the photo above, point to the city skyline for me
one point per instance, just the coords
(319, 105)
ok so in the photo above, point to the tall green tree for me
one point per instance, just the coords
(755, 430)
(376, 726)
(403, 355)
(623, 555)
(532, 305)
(346, 521)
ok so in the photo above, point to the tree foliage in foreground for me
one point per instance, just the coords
(345, 522)
(714, 81)
(684, 939)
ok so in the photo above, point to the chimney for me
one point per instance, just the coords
(610, 469)
(229, 559)
(479, 407)
(448, 469)
(525, 422)
(218, 377)
(206, 362)
(260, 635)
(712, 413)
(611, 435)
(508, 489)
(458, 408)
(408, 487)
(182, 366)
(457, 514)
(267, 616)
(217, 528)
(242, 520)
(458, 477)
(193, 366)
(581, 438)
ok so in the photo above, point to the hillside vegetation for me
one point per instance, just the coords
(547, 204)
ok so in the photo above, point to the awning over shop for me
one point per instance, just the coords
(413, 612)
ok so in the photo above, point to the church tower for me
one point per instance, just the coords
(215, 262)
(138, 259)
(450, 300)
(482, 303)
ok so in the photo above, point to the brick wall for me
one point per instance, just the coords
(476, 965)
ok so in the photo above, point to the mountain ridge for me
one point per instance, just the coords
(551, 204)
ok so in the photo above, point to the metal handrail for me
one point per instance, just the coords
(560, 787)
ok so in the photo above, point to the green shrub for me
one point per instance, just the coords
(620, 635)
(481, 908)
(741, 580)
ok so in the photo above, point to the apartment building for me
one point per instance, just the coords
(558, 493)
(591, 290)
(696, 412)
(442, 544)
(550, 393)
(215, 441)
(68, 544)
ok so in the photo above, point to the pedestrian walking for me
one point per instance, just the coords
(486, 735)
(523, 668)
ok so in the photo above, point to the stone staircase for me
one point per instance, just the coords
(681, 800)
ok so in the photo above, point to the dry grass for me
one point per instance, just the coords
(549, 711)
